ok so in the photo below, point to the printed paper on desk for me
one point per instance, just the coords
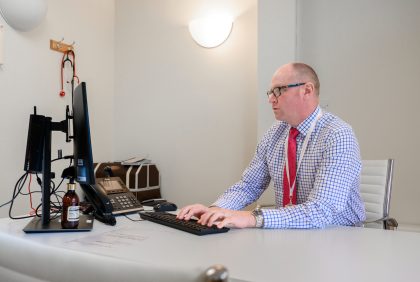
(124, 237)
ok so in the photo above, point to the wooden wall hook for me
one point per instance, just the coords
(60, 46)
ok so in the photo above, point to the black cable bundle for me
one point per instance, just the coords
(56, 205)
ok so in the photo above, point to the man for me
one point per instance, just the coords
(319, 183)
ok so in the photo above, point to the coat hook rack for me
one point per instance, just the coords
(60, 46)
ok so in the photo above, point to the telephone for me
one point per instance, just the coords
(110, 197)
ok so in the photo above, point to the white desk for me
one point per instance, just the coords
(334, 254)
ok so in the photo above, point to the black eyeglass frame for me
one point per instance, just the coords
(281, 89)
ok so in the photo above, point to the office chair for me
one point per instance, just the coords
(375, 189)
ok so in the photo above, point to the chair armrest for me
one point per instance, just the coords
(388, 223)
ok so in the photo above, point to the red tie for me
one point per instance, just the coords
(291, 153)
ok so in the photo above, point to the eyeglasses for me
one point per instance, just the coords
(277, 91)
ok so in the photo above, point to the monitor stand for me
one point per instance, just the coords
(45, 223)
(54, 225)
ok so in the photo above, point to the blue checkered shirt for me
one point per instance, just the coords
(327, 182)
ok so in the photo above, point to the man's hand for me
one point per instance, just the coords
(220, 217)
(192, 210)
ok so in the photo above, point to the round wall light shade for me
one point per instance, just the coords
(211, 31)
(23, 15)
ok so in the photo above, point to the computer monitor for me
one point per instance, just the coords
(83, 161)
(82, 145)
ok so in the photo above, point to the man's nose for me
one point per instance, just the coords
(272, 99)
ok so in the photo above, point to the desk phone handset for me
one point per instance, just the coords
(111, 197)
(100, 202)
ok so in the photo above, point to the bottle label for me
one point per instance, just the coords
(73, 213)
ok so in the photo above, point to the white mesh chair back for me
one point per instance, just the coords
(375, 188)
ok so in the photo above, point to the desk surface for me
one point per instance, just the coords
(332, 254)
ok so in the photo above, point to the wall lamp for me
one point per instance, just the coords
(211, 31)
(23, 15)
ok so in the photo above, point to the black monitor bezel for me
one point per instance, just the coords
(82, 143)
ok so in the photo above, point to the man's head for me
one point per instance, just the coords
(294, 93)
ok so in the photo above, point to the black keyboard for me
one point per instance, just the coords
(190, 226)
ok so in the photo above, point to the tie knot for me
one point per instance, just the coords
(293, 133)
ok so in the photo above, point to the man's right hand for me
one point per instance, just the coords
(218, 216)
(196, 210)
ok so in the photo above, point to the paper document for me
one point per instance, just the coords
(136, 161)
(124, 237)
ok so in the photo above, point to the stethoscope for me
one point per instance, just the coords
(68, 60)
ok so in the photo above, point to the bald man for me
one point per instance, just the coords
(311, 156)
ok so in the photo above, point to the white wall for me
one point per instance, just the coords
(30, 76)
(276, 47)
(367, 57)
(192, 110)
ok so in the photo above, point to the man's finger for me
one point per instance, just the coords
(216, 217)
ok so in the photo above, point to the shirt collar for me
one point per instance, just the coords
(304, 126)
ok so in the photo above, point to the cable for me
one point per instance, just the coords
(59, 184)
(63, 158)
(14, 196)
(30, 195)
(18, 190)
(19, 185)
(54, 208)
(6, 203)
(56, 205)
(133, 219)
(38, 179)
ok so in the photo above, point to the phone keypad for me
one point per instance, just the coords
(125, 202)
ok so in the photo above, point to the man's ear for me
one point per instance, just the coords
(309, 88)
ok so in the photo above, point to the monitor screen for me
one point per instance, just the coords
(83, 161)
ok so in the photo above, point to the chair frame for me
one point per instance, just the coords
(388, 188)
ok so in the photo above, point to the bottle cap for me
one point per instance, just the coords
(71, 186)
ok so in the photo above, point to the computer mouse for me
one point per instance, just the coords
(165, 206)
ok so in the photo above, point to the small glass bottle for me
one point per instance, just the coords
(70, 211)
